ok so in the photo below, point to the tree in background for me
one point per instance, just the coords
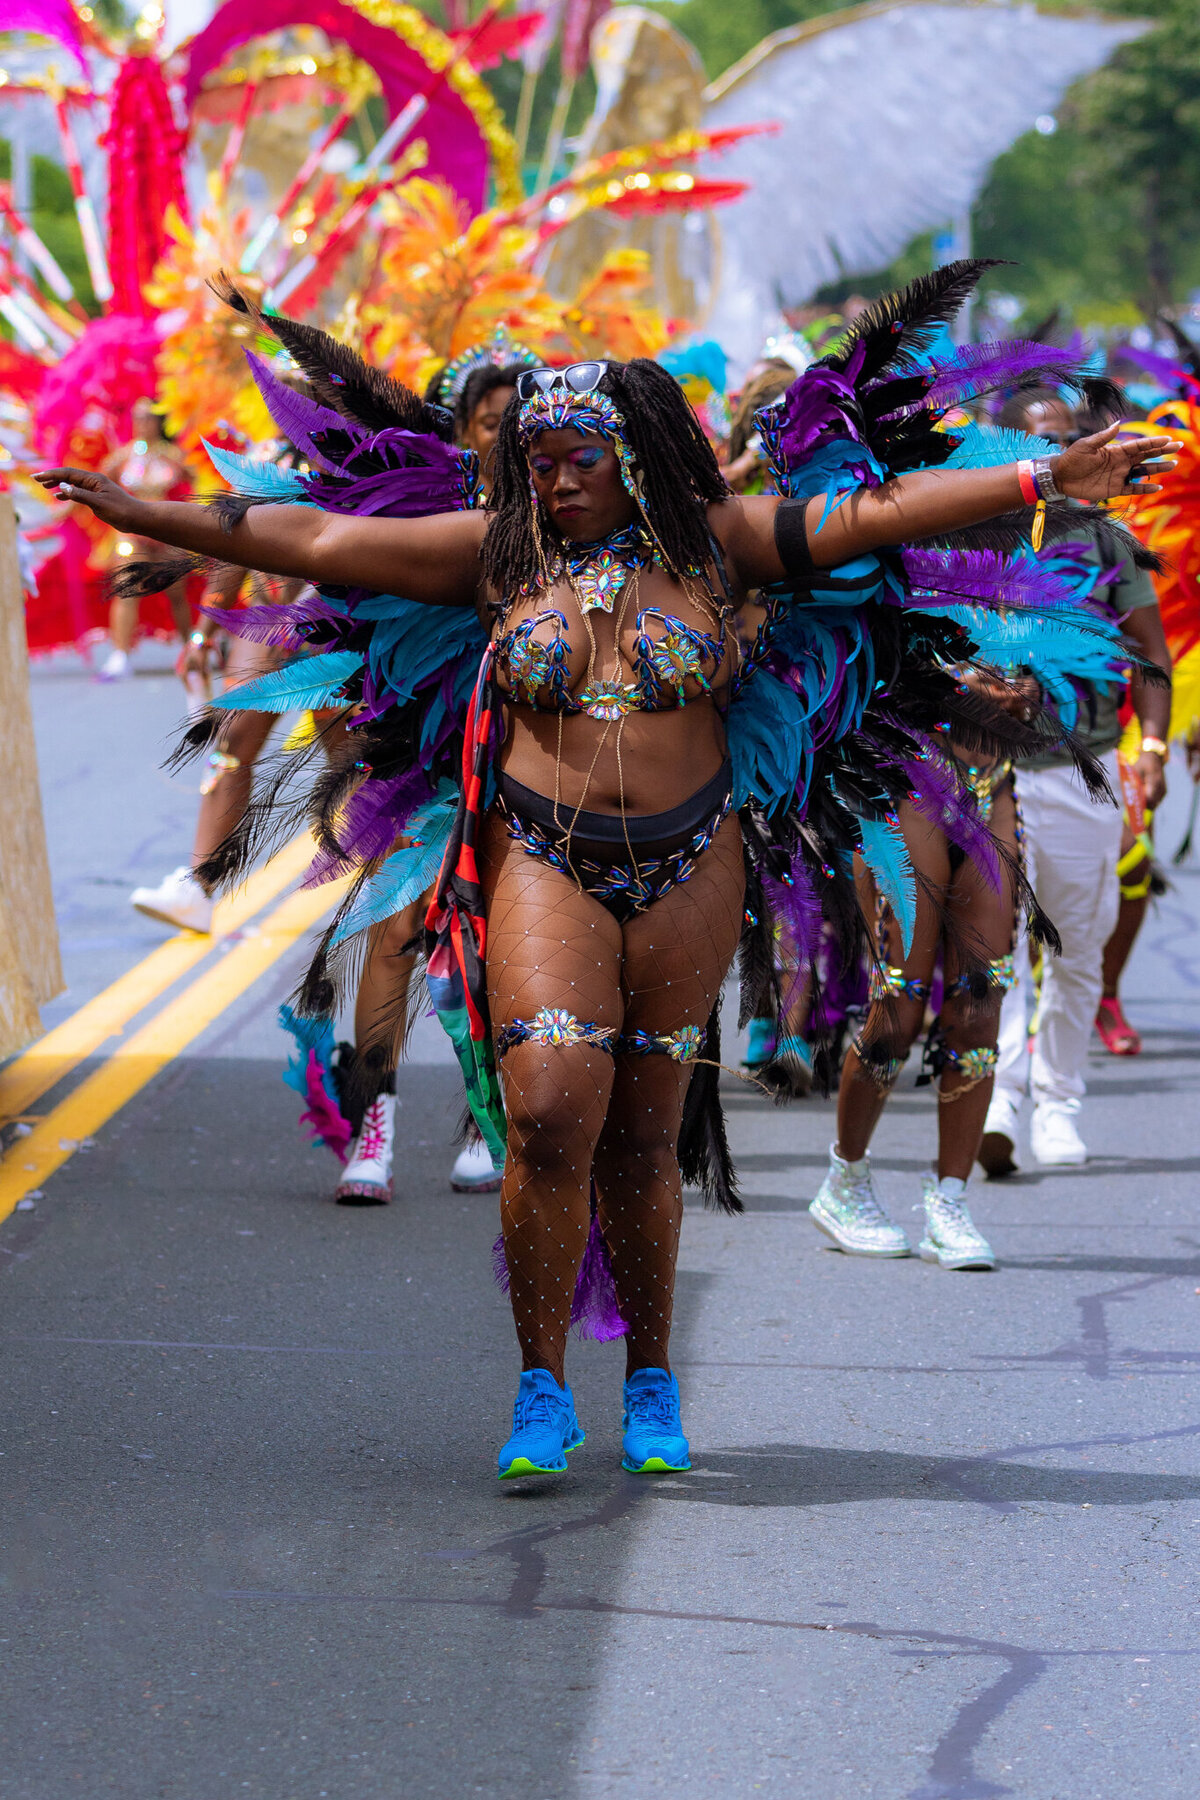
(1102, 218)
(1140, 118)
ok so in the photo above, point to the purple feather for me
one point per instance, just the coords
(422, 475)
(1165, 370)
(820, 405)
(368, 825)
(937, 792)
(296, 417)
(594, 1309)
(978, 368)
(983, 578)
(839, 989)
(795, 904)
(275, 625)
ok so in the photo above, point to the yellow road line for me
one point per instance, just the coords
(35, 1072)
(132, 1064)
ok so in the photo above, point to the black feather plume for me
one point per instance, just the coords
(888, 326)
(339, 377)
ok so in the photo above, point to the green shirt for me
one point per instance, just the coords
(1098, 726)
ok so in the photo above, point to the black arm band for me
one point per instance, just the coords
(791, 540)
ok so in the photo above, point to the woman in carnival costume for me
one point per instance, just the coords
(631, 803)
(951, 940)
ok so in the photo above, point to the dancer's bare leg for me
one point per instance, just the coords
(983, 919)
(890, 1029)
(550, 948)
(675, 956)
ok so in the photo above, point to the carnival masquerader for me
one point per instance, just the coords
(594, 883)
(963, 937)
(151, 467)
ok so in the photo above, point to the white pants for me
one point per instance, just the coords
(1071, 846)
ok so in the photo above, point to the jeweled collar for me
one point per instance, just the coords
(599, 571)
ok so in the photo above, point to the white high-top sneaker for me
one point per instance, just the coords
(474, 1171)
(114, 667)
(177, 900)
(1054, 1136)
(367, 1176)
(952, 1237)
(847, 1210)
(998, 1148)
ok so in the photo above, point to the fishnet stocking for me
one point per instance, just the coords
(676, 955)
(974, 923)
(574, 1109)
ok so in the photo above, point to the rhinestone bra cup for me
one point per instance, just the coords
(537, 661)
(539, 669)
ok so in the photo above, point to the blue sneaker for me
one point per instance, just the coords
(760, 1043)
(544, 1428)
(654, 1440)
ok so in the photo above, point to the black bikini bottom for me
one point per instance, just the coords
(593, 848)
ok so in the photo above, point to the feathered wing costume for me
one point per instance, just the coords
(846, 703)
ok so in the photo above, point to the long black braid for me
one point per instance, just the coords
(678, 468)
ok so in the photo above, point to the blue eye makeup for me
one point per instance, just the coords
(587, 459)
(541, 465)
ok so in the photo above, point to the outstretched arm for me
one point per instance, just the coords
(434, 559)
(932, 501)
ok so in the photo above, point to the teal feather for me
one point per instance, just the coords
(987, 446)
(406, 873)
(887, 858)
(304, 685)
(261, 480)
(770, 744)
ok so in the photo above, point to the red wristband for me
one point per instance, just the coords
(1029, 487)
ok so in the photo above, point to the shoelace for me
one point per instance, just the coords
(650, 1406)
(951, 1215)
(537, 1408)
(863, 1198)
(373, 1136)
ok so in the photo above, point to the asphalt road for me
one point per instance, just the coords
(938, 1540)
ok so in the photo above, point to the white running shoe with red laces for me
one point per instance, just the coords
(367, 1176)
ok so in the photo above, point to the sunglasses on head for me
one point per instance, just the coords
(578, 378)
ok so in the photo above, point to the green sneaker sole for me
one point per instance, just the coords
(654, 1465)
(521, 1465)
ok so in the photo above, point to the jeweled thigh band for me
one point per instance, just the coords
(557, 1029)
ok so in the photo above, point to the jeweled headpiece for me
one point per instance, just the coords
(593, 413)
(501, 351)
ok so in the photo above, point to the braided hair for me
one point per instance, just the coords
(678, 470)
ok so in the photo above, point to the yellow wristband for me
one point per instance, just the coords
(1155, 746)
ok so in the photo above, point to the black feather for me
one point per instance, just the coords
(339, 377)
(1103, 397)
(704, 1158)
(894, 323)
(1189, 354)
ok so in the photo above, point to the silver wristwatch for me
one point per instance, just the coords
(1043, 477)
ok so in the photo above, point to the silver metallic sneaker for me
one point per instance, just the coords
(847, 1210)
(952, 1237)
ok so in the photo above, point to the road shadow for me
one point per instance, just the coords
(806, 1475)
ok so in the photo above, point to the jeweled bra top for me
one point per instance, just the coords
(536, 669)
